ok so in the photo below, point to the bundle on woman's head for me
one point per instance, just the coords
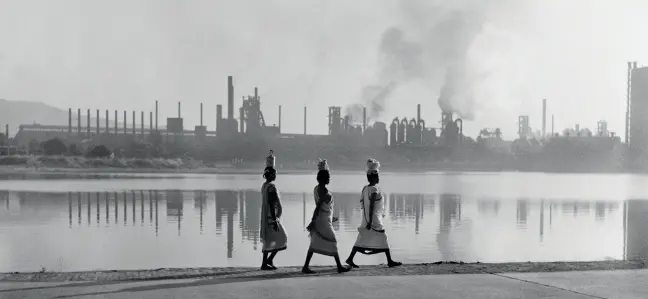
(373, 166)
(270, 164)
(322, 165)
(271, 160)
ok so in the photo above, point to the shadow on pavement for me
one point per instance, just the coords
(205, 282)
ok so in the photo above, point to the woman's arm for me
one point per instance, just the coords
(273, 199)
(372, 199)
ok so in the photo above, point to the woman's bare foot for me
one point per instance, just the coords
(351, 263)
(307, 270)
(343, 269)
(392, 264)
(265, 267)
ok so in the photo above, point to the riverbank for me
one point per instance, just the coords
(436, 268)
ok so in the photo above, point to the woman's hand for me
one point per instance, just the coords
(335, 219)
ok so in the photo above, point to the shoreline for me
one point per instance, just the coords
(436, 268)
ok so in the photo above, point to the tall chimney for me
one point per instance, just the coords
(544, 118)
(156, 115)
(69, 120)
(98, 125)
(150, 122)
(134, 132)
(107, 122)
(256, 93)
(125, 123)
(78, 121)
(305, 120)
(179, 110)
(364, 119)
(230, 98)
(242, 120)
(279, 119)
(201, 114)
(219, 115)
(628, 113)
(552, 125)
(116, 123)
(7, 131)
(142, 123)
(418, 113)
(88, 122)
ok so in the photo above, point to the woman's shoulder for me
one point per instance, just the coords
(270, 186)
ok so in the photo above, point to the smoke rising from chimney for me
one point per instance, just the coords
(432, 45)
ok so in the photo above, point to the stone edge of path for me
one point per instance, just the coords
(240, 272)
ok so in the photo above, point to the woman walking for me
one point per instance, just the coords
(273, 235)
(322, 235)
(371, 233)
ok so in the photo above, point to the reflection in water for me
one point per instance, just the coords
(636, 229)
(522, 211)
(456, 222)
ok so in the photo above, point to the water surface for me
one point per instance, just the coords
(155, 221)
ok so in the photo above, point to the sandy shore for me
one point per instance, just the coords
(379, 270)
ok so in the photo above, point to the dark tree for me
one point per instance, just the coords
(99, 151)
(54, 147)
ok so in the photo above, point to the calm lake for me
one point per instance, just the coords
(103, 221)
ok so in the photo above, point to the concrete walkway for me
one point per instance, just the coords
(586, 284)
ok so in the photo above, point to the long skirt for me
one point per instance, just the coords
(371, 239)
(274, 240)
(322, 238)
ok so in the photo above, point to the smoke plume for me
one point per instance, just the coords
(432, 45)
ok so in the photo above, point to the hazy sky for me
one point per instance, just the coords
(122, 54)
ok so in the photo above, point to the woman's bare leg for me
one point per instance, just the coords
(349, 260)
(306, 269)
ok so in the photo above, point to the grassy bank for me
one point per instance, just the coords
(379, 270)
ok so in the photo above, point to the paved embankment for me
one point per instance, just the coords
(572, 284)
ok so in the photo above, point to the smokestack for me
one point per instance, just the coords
(88, 122)
(116, 123)
(142, 123)
(242, 120)
(107, 122)
(179, 111)
(69, 121)
(305, 120)
(150, 122)
(201, 114)
(256, 93)
(156, 116)
(552, 125)
(134, 132)
(125, 123)
(627, 116)
(634, 65)
(544, 118)
(7, 131)
(418, 113)
(230, 98)
(279, 118)
(219, 115)
(78, 121)
(364, 119)
(98, 125)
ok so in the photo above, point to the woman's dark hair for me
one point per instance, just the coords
(323, 176)
(269, 173)
(372, 177)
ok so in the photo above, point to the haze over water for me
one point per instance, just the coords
(154, 221)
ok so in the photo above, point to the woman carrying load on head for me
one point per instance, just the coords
(371, 233)
(322, 235)
(273, 235)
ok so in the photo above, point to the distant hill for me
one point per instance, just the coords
(17, 113)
